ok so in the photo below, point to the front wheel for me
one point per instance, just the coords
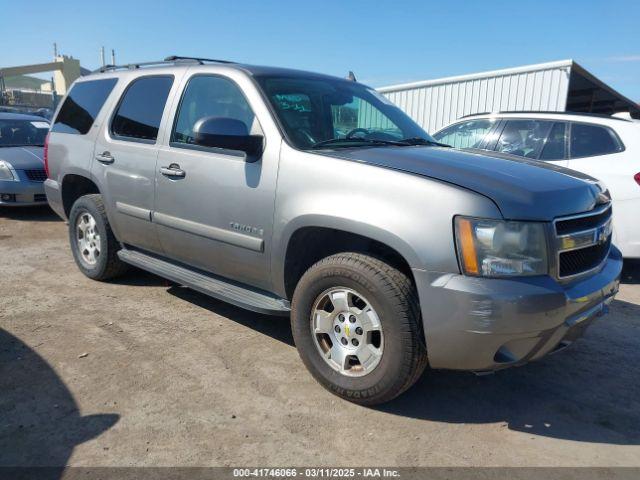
(357, 326)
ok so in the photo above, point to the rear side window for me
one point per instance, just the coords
(466, 134)
(555, 148)
(590, 140)
(140, 110)
(82, 105)
(524, 138)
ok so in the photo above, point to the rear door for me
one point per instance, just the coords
(74, 130)
(598, 151)
(125, 158)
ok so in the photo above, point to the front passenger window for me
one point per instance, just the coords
(209, 96)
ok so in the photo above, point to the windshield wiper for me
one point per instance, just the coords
(423, 141)
(364, 141)
(405, 142)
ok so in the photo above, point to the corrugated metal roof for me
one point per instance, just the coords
(436, 103)
(474, 76)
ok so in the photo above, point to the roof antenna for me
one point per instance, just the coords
(351, 76)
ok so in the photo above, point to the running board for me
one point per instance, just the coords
(213, 286)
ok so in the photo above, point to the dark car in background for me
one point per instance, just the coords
(22, 171)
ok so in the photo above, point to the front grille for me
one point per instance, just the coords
(582, 223)
(574, 262)
(39, 197)
(582, 242)
(36, 175)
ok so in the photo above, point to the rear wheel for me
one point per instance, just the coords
(357, 326)
(93, 244)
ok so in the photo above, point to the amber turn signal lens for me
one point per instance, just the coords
(468, 247)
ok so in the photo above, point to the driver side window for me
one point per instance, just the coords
(209, 96)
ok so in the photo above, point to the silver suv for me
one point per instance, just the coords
(294, 193)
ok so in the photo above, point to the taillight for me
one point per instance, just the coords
(45, 155)
(636, 177)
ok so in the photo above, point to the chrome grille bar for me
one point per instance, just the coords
(582, 242)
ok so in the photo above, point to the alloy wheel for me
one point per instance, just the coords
(88, 238)
(347, 331)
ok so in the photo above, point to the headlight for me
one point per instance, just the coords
(495, 248)
(5, 171)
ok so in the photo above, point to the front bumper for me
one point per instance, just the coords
(22, 193)
(484, 324)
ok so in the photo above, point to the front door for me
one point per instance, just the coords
(214, 207)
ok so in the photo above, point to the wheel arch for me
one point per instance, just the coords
(74, 186)
(312, 238)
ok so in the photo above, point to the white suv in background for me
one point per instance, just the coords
(607, 148)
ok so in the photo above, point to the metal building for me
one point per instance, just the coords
(554, 86)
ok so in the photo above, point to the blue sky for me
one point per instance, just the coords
(383, 42)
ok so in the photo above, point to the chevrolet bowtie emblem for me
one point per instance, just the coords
(346, 330)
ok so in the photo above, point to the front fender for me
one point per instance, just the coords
(409, 213)
(345, 224)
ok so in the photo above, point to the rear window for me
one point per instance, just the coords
(140, 110)
(82, 105)
(591, 140)
(22, 133)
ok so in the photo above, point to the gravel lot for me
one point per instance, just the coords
(138, 372)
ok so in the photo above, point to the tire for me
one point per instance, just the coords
(402, 355)
(106, 264)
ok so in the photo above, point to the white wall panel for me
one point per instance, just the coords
(436, 103)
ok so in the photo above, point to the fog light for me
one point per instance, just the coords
(8, 197)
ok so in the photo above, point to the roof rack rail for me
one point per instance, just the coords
(588, 114)
(200, 60)
(127, 66)
(171, 59)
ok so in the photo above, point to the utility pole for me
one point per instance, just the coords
(102, 56)
(113, 57)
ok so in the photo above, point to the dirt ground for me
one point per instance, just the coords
(136, 372)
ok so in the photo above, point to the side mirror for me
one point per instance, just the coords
(229, 133)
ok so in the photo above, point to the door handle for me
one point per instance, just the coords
(105, 157)
(173, 170)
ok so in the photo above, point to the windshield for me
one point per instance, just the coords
(23, 133)
(328, 113)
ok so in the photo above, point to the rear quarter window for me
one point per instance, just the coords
(591, 140)
(82, 105)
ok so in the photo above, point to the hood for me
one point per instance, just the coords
(23, 158)
(522, 189)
